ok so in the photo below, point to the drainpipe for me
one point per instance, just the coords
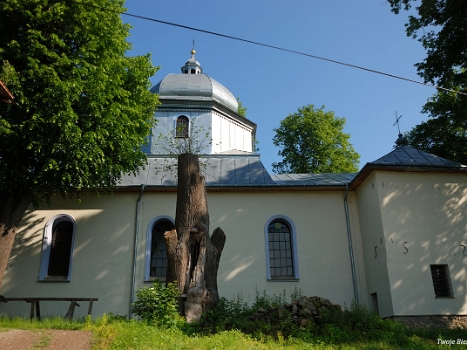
(349, 237)
(135, 253)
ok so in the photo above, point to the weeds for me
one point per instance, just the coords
(158, 304)
(229, 325)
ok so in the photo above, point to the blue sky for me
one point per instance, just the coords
(273, 84)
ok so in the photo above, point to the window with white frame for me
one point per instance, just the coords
(57, 249)
(156, 256)
(281, 249)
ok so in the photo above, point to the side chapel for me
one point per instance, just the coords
(392, 236)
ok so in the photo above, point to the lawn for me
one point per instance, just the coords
(117, 333)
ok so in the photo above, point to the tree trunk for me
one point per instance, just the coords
(13, 205)
(193, 256)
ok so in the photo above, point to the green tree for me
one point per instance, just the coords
(312, 141)
(242, 111)
(83, 110)
(241, 108)
(443, 28)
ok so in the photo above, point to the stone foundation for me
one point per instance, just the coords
(434, 321)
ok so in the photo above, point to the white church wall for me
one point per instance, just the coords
(164, 130)
(229, 135)
(102, 254)
(423, 215)
(374, 252)
(357, 247)
(225, 134)
(323, 255)
(102, 258)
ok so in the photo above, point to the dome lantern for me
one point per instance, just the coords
(192, 66)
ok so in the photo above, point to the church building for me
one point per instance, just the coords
(392, 236)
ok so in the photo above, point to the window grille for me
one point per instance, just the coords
(181, 130)
(158, 251)
(441, 283)
(280, 250)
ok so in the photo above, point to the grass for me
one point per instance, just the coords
(231, 325)
(116, 333)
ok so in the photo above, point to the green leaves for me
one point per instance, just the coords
(84, 107)
(158, 304)
(313, 141)
(443, 28)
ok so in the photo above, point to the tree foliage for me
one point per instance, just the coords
(241, 108)
(312, 141)
(83, 110)
(443, 28)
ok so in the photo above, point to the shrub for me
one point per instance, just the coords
(158, 304)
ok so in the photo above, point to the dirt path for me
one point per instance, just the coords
(48, 339)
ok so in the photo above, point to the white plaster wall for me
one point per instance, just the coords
(102, 262)
(321, 240)
(357, 247)
(428, 211)
(324, 261)
(372, 235)
(200, 125)
(223, 134)
(102, 255)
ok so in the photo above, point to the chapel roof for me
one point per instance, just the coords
(410, 156)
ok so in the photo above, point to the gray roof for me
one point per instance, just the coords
(219, 171)
(313, 179)
(194, 87)
(229, 171)
(409, 156)
(246, 170)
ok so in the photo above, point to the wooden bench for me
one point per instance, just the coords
(35, 305)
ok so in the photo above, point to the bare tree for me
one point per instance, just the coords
(193, 255)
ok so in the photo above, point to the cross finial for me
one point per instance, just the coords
(401, 140)
(397, 122)
(193, 48)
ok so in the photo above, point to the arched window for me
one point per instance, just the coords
(156, 256)
(57, 249)
(281, 249)
(182, 127)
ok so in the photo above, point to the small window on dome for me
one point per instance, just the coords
(186, 71)
(181, 130)
(193, 71)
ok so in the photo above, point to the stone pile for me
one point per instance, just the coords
(302, 311)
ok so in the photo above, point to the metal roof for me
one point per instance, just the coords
(313, 179)
(194, 87)
(229, 171)
(219, 171)
(246, 170)
(409, 156)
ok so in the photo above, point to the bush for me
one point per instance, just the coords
(358, 323)
(332, 326)
(158, 304)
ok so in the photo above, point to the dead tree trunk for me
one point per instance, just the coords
(193, 256)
